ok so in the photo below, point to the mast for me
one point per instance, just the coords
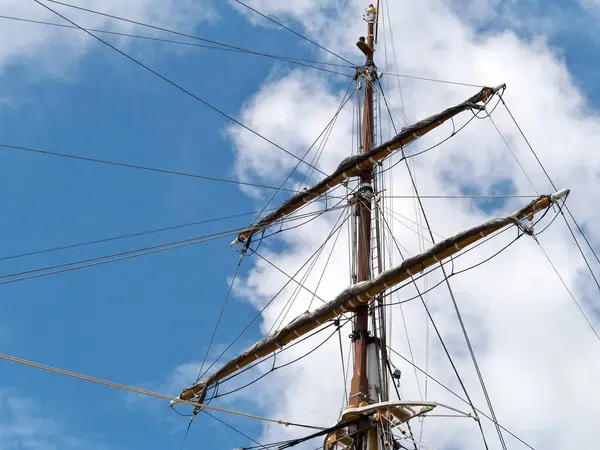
(359, 388)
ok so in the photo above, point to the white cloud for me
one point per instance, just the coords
(50, 50)
(537, 355)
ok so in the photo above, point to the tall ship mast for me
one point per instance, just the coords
(383, 406)
(371, 420)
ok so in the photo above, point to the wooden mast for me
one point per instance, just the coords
(359, 388)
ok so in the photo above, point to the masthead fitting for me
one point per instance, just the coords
(371, 14)
(560, 194)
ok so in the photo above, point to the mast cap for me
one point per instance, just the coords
(560, 194)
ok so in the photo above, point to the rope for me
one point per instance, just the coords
(569, 291)
(259, 313)
(512, 152)
(263, 360)
(175, 85)
(295, 32)
(231, 427)
(139, 167)
(432, 79)
(307, 151)
(123, 236)
(439, 383)
(145, 392)
(212, 337)
(460, 196)
(414, 186)
(217, 45)
(114, 257)
(289, 277)
(566, 207)
(326, 265)
(279, 321)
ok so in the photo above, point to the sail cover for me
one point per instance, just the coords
(356, 164)
(361, 293)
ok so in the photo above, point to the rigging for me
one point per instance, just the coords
(124, 236)
(120, 256)
(145, 392)
(292, 31)
(269, 302)
(216, 45)
(140, 167)
(177, 86)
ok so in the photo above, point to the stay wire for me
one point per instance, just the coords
(582, 234)
(314, 349)
(187, 432)
(259, 313)
(279, 321)
(231, 427)
(589, 322)
(135, 390)
(286, 348)
(452, 261)
(326, 265)
(397, 244)
(175, 85)
(412, 155)
(456, 307)
(393, 45)
(295, 32)
(250, 383)
(105, 259)
(344, 376)
(513, 154)
(312, 217)
(216, 45)
(388, 365)
(474, 359)
(217, 234)
(198, 38)
(439, 383)
(501, 438)
(444, 197)
(92, 262)
(304, 155)
(140, 167)
(294, 296)
(299, 283)
(581, 251)
(220, 316)
(123, 236)
(435, 80)
(330, 126)
(566, 207)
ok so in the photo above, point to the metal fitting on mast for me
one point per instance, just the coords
(370, 14)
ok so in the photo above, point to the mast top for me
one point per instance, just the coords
(371, 14)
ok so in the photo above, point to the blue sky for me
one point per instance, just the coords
(134, 321)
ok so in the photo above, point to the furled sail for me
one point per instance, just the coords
(361, 293)
(354, 165)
